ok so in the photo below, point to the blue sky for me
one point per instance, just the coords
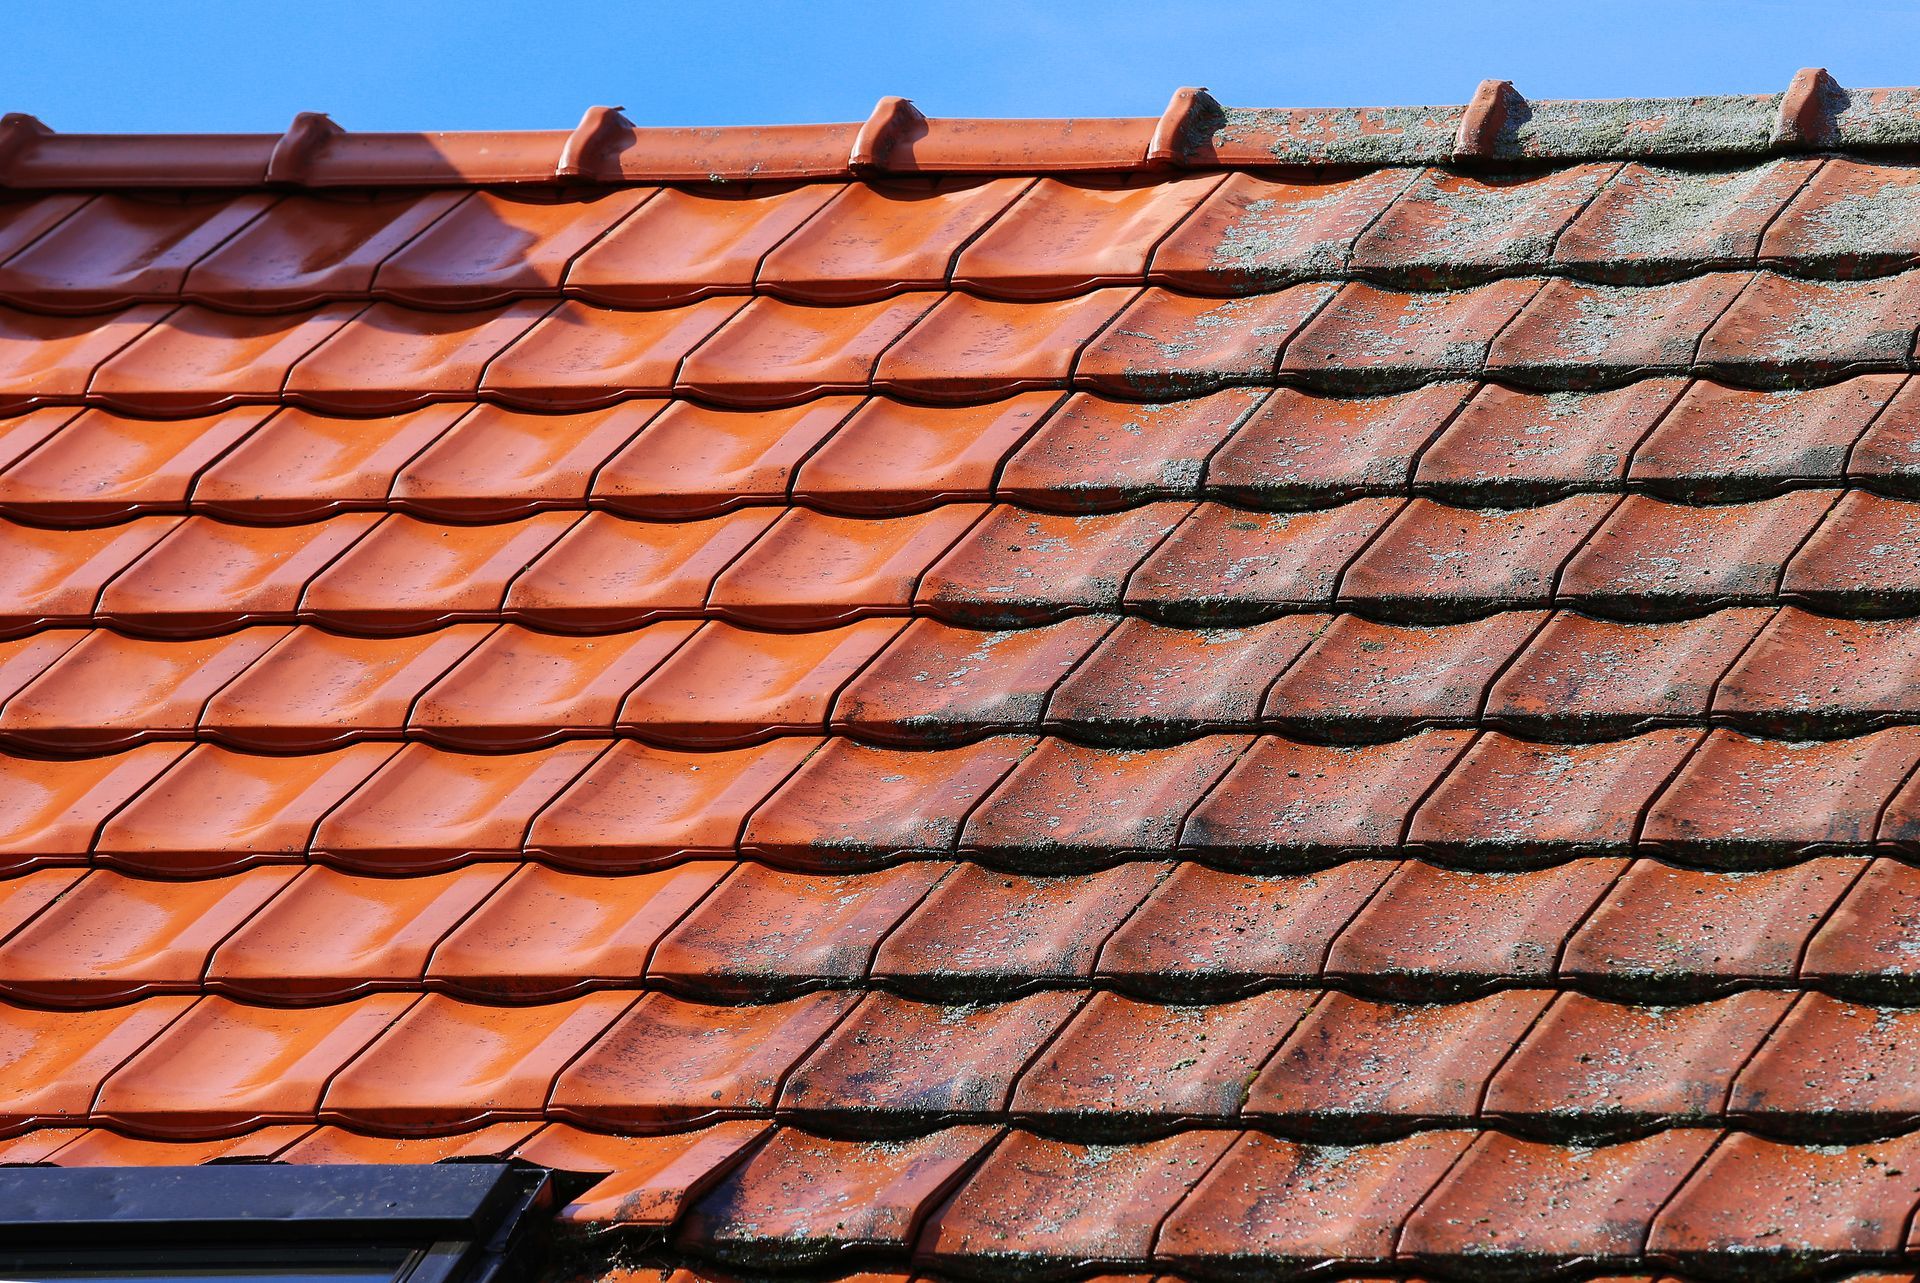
(85, 65)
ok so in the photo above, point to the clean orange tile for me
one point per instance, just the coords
(317, 689)
(1167, 344)
(46, 360)
(610, 572)
(695, 460)
(200, 360)
(496, 463)
(311, 248)
(50, 809)
(55, 576)
(893, 457)
(810, 569)
(428, 809)
(548, 934)
(520, 688)
(99, 1147)
(492, 247)
(102, 467)
(332, 935)
(447, 1065)
(730, 686)
(22, 433)
(120, 249)
(582, 355)
(651, 1180)
(391, 358)
(1066, 236)
(299, 465)
(338, 1145)
(777, 353)
(224, 1068)
(51, 1062)
(216, 811)
(969, 348)
(25, 658)
(406, 573)
(24, 895)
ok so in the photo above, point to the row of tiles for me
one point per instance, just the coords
(720, 930)
(1469, 443)
(986, 1202)
(1840, 552)
(1016, 238)
(1744, 327)
(1719, 798)
(1324, 1065)
(1093, 679)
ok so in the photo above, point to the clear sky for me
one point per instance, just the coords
(249, 65)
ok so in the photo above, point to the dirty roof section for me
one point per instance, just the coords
(961, 699)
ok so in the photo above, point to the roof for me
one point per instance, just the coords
(973, 698)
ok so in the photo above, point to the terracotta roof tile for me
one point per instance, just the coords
(390, 358)
(580, 355)
(1847, 220)
(1147, 681)
(495, 463)
(299, 466)
(56, 1060)
(1862, 944)
(1508, 445)
(51, 809)
(492, 247)
(102, 467)
(1167, 344)
(1256, 231)
(893, 457)
(51, 359)
(1717, 439)
(195, 360)
(117, 250)
(1585, 334)
(1372, 337)
(1094, 454)
(694, 461)
(1652, 222)
(1300, 450)
(689, 244)
(1447, 226)
(1224, 565)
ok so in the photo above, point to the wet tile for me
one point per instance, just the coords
(25, 658)
(1094, 454)
(1069, 803)
(1513, 800)
(1521, 1203)
(492, 247)
(122, 249)
(48, 359)
(1124, 1067)
(1832, 1068)
(1653, 559)
(446, 1064)
(1870, 942)
(1020, 567)
(114, 938)
(1589, 676)
(1260, 231)
(685, 244)
(427, 809)
(1579, 334)
(982, 931)
(1065, 237)
(37, 1147)
(216, 811)
(110, 691)
(1309, 802)
(1720, 442)
(1365, 680)
(1359, 1067)
(1203, 932)
(223, 1068)
(208, 575)
(894, 457)
(547, 934)
(391, 358)
(51, 577)
(608, 572)
(652, 1180)
(968, 348)
(198, 360)
(495, 463)
(308, 249)
(1861, 559)
(1368, 337)
(299, 466)
(1590, 1064)
(406, 574)
(1687, 930)
(798, 1198)
(695, 460)
(1432, 929)
(318, 689)
(766, 929)
(1223, 565)
(1851, 219)
(53, 1061)
(810, 569)
(1514, 446)
(1450, 227)
(22, 433)
(935, 684)
(1819, 1201)
(581, 355)
(1438, 562)
(850, 804)
(1044, 1204)
(1782, 327)
(638, 806)
(24, 895)
(51, 809)
(895, 1064)
(668, 1063)
(777, 353)
(728, 686)
(1741, 801)
(103, 467)
(1300, 449)
(1653, 222)
(519, 688)
(1167, 344)
(332, 935)
(1273, 1203)
(875, 239)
